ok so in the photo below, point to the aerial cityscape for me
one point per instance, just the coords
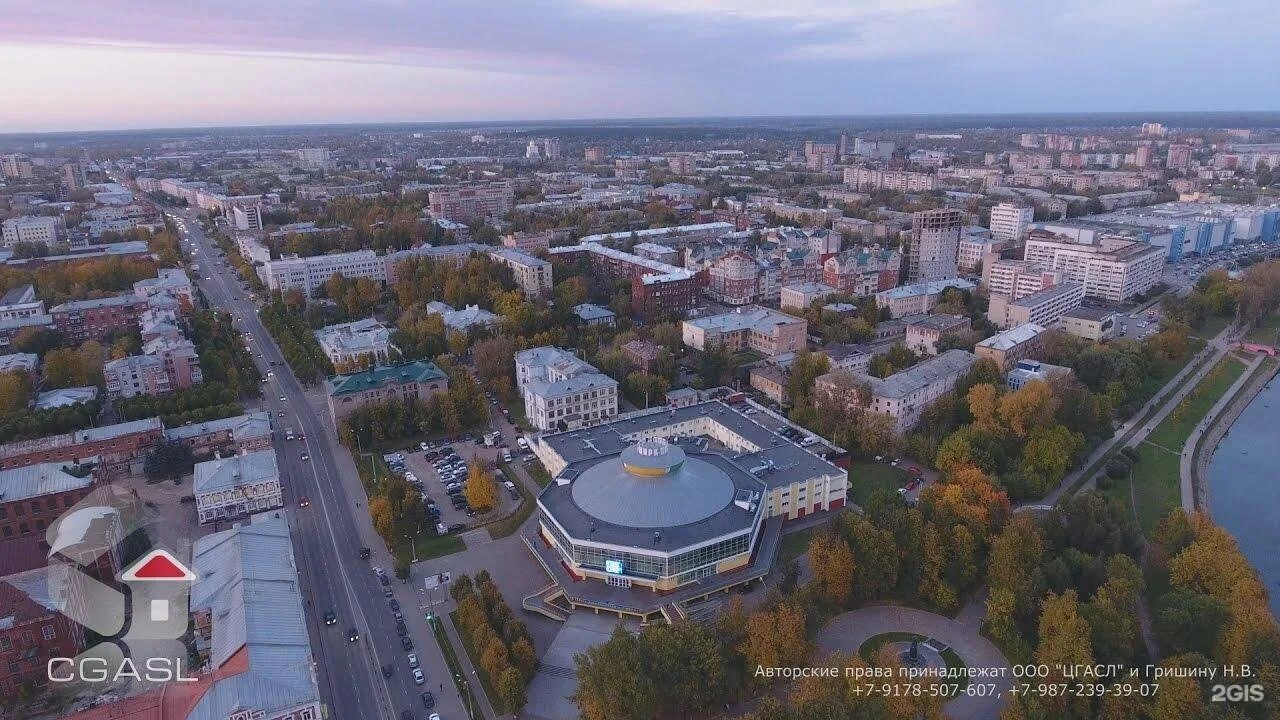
(619, 361)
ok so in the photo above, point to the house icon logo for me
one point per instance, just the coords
(158, 580)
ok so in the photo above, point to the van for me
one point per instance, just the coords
(521, 443)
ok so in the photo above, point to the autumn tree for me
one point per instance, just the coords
(481, 491)
(984, 406)
(832, 564)
(15, 392)
(776, 638)
(1064, 639)
(1028, 408)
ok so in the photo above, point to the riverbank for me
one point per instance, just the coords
(1209, 440)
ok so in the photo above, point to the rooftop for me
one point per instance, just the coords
(232, 472)
(929, 288)
(38, 480)
(913, 379)
(66, 397)
(941, 323)
(116, 301)
(750, 317)
(359, 336)
(1012, 337)
(589, 312)
(418, 371)
(241, 427)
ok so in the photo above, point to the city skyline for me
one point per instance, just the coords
(147, 65)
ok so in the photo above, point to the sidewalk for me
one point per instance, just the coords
(1193, 462)
(472, 678)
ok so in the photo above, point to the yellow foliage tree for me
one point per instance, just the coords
(482, 491)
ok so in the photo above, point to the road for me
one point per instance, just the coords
(329, 533)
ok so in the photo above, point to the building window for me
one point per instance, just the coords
(48, 632)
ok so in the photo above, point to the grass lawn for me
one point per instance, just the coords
(1211, 326)
(1267, 332)
(538, 473)
(794, 545)
(455, 667)
(512, 522)
(865, 477)
(1156, 488)
(432, 546)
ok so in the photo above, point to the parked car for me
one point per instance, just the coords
(413, 660)
(418, 677)
(406, 643)
(429, 701)
(352, 635)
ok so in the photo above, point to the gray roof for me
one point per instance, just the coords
(108, 432)
(589, 312)
(248, 580)
(242, 427)
(1092, 312)
(941, 323)
(37, 480)
(66, 397)
(235, 471)
(903, 384)
(19, 361)
(1012, 337)
(127, 299)
(1053, 291)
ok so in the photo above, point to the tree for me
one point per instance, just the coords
(15, 392)
(1064, 640)
(776, 638)
(984, 403)
(168, 461)
(612, 682)
(832, 564)
(1190, 622)
(1030, 407)
(481, 490)
(646, 390)
(510, 689)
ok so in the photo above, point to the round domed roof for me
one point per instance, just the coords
(684, 492)
(652, 457)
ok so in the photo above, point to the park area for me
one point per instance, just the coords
(866, 477)
(1154, 488)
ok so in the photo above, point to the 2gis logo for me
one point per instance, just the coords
(141, 628)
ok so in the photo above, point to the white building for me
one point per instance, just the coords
(1111, 268)
(562, 392)
(1010, 222)
(1043, 308)
(21, 302)
(464, 319)
(363, 342)
(307, 274)
(32, 229)
(532, 274)
(246, 218)
(232, 487)
(903, 396)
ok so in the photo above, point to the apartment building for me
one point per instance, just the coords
(247, 218)
(471, 202)
(83, 320)
(417, 380)
(531, 241)
(919, 298)
(863, 271)
(733, 278)
(802, 296)
(354, 344)
(32, 630)
(45, 229)
(1110, 268)
(562, 392)
(766, 331)
(17, 167)
(1010, 346)
(771, 381)
(531, 274)
(330, 192)
(1043, 308)
(656, 288)
(234, 487)
(924, 333)
(128, 377)
(976, 243)
(903, 396)
(934, 245)
(33, 496)
(308, 274)
(865, 178)
(1010, 222)
(1016, 278)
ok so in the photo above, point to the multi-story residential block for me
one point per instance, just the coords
(234, 435)
(83, 320)
(903, 396)
(21, 302)
(733, 278)
(863, 271)
(179, 359)
(1042, 308)
(1111, 268)
(16, 167)
(1179, 157)
(1092, 322)
(1010, 346)
(233, 487)
(766, 331)
(417, 380)
(864, 178)
(562, 392)
(924, 333)
(134, 375)
(308, 274)
(802, 296)
(918, 298)
(1010, 222)
(1016, 278)
(168, 281)
(934, 245)
(594, 154)
(312, 158)
(466, 203)
(975, 244)
(46, 229)
(529, 241)
(656, 288)
(355, 344)
(330, 192)
(247, 218)
(532, 274)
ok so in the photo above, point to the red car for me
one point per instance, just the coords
(303, 502)
(914, 470)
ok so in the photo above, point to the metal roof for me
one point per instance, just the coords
(235, 471)
(38, 480)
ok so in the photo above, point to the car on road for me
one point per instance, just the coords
(305, 457)
(401, 628)
(303, 501)
(330, 617)
(352, 635)
(413, 660)
(428, 700)
(283, 399)
(914, 469)
(394, 604)
(388, 670)
(418, 677)
(365, 553)
(457, 527)
(406, 643)
(434, 716)
(279, 413)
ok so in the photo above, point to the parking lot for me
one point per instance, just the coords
(440, 472)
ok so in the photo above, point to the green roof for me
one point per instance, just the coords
(417, 371)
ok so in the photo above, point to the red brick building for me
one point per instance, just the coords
(95, 319)
(113, 447)
(34, 496)
(31, 630)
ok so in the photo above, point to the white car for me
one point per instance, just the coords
(413, 660)
(418, 677)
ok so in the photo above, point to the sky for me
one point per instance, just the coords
(116, 64)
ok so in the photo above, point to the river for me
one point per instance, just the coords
(1244, 495)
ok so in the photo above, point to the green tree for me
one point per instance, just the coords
(169, 460)
(612, 682)
(510, 689)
